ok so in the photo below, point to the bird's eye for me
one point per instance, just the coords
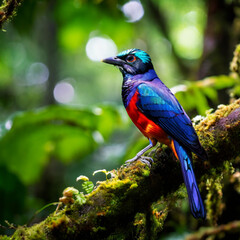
(130, 58)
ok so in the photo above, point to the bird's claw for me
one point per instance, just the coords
(147, 160)
(143, 159)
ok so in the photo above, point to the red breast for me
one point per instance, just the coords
(148, 128)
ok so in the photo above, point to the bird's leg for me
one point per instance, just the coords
(146, 160)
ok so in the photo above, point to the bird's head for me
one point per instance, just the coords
(131, 62)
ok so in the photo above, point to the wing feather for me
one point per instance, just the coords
(161, 106)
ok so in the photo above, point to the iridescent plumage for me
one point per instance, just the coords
(159, 116)
(138, 53)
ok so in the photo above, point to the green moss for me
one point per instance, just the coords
(99, 228)
(158, 219)
(8, 10)
(212, 118)
(146, 172)
(214, 186)
(134, 185)
(36, 232)
(235, 64)
(228, 167)
(214, 205)
(140, 226)
(148, 226)
(4, 237)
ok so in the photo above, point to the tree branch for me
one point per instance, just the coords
(112, 207)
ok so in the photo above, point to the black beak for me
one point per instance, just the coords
(114, 61)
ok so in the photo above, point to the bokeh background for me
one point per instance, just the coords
(60, 108)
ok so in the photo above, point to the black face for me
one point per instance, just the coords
(129, 64)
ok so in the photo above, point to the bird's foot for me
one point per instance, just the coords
(146, 160)
(143, 159)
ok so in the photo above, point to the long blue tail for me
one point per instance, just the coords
(195, 200)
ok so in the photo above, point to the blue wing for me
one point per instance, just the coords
(160, 105)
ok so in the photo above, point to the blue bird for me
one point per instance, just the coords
(159, 116)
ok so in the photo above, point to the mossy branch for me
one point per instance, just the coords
(112, 207)
(8, 10)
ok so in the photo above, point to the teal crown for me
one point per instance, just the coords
(138, 53)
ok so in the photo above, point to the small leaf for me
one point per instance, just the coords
(101, 170)
(88, 186)
(70, 191)
(105, 172)
(80, 198)
(211, 93)
(200, 99)
(82, 177)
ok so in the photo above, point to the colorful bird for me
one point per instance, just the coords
(159, 116)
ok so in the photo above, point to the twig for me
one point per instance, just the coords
(204, 233)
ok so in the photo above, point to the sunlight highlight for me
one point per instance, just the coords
(179, 88)
(98, 48)
(37, 73)
(63, 92)
(97, 136)
(8, 124)
(133, 10)
(189, 41)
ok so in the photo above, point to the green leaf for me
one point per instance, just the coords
(82, 177)
(30, 139)
(200, 100)
(88, 186)
(224, 81)
(80, 198)
(211, 93)
(101, 171)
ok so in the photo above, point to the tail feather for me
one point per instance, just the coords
(195, 200)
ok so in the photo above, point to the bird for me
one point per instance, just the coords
(156, 112)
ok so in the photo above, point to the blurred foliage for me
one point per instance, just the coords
(68, 26)
(199, 96)
(53, 132)
(44, 148)
(29, 140)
